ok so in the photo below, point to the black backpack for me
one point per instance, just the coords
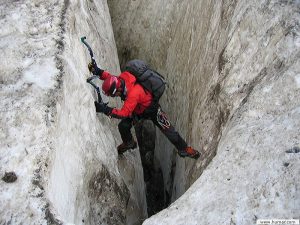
(148, 78)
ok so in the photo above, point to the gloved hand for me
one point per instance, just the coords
(94, 69)
(103, 108)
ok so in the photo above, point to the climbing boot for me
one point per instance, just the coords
(189, 152)
(126, 146)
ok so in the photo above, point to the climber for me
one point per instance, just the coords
(138, 104)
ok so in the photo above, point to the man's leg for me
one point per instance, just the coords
(162, 122)
(125, 131)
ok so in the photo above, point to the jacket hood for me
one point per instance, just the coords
(129, 80)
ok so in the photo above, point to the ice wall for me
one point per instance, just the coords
(84, 147)
(233, 71)
(28, 77)
(90, 180)
(63, 154)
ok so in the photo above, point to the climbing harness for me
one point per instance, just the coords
(162, 119)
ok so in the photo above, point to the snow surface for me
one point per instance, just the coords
(245, 182)
(253, 175)
(52, 139)
(50, 134)
(29, 31)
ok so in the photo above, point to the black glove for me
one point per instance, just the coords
(94, 69)
(103, 108)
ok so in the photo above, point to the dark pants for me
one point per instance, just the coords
(160, 119)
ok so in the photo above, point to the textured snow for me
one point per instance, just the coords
(52, 139)
(41, 73)
(50, 135)
(28, 71)
(297, 79)
(234, 95)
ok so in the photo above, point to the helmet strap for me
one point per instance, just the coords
(123, 90)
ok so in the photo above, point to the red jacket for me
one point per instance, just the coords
(137, 98)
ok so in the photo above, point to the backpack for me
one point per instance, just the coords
(150, 80)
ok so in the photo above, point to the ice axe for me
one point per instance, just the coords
(90, 79)
(89, 48)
